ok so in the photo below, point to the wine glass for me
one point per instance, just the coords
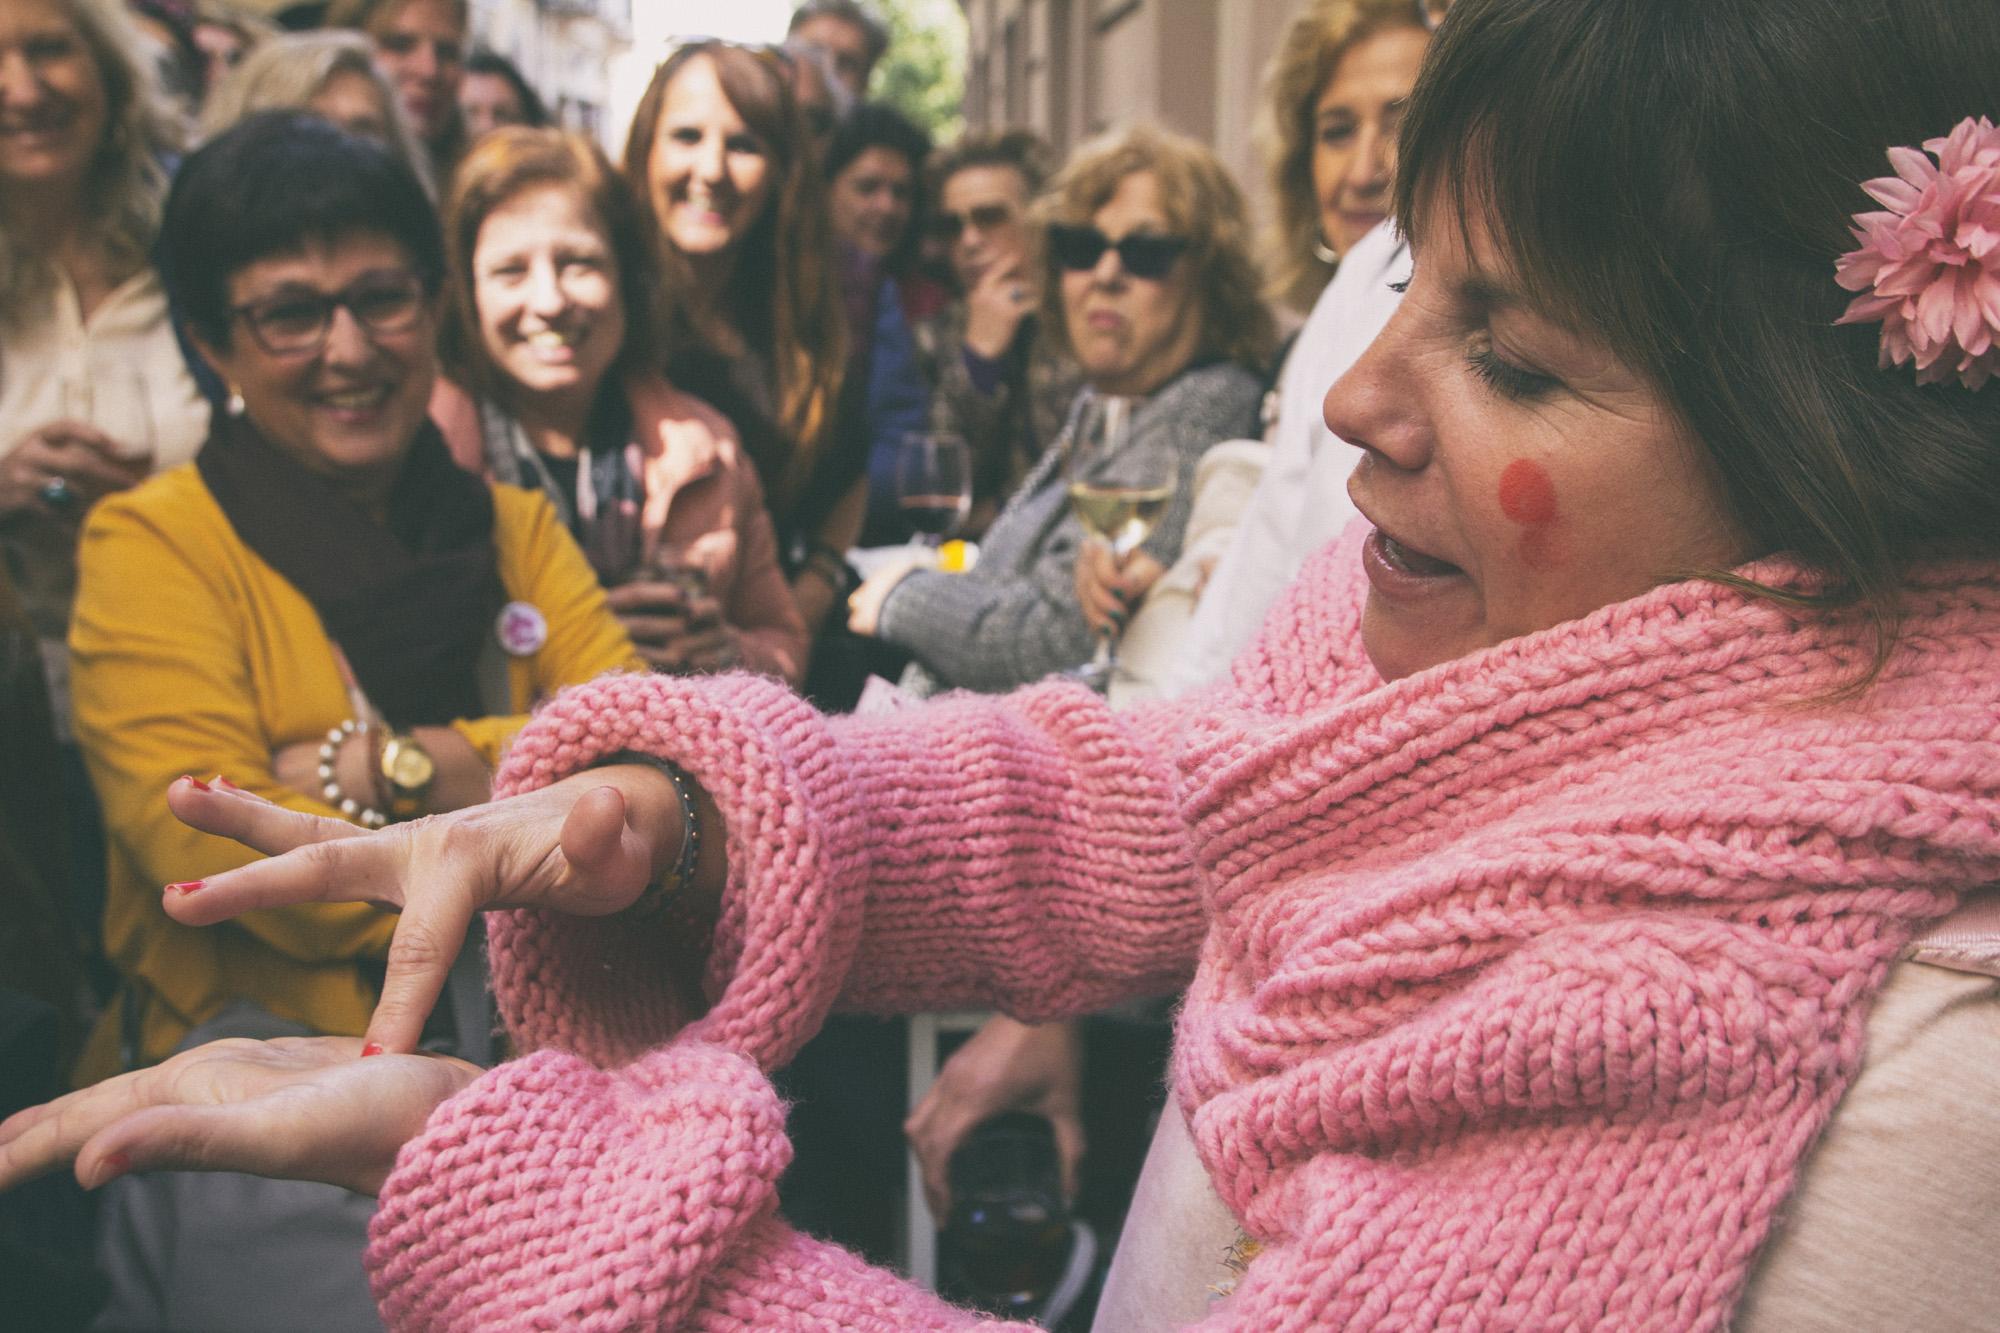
(1119, 490)
(933, 485)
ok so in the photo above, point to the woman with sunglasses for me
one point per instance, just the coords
(998, 383)
(1152, 289)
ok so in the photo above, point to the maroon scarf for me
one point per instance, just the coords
(410, 603)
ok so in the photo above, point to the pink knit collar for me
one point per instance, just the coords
(1612, 873)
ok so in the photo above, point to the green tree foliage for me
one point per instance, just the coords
(923, 75)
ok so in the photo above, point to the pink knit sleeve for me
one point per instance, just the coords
(552, 1194)
(1026, 853)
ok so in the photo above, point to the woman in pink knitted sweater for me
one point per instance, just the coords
(1532, 878)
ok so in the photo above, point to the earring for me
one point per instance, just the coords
(234, 404)
(1325, 253)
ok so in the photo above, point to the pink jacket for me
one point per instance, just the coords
(1519, 987)
(703, 500)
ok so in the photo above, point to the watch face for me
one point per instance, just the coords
(408, 766)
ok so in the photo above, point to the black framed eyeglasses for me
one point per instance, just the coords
(1079, 248)
(296, 323)
(986, 217)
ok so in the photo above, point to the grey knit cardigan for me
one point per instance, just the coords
(1014, 618)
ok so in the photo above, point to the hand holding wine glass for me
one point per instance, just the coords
(1119, 491)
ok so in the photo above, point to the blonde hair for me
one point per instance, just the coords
(127, 183)
(1203, 206)
(1313, 45)
(288, 72)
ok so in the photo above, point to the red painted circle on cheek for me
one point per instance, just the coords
(1526, 494)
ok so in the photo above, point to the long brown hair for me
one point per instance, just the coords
(499, 167)
(783, 293)
(1678, 180)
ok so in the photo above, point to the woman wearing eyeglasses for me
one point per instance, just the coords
(323, 609)
(1151, 288)
(997, 384)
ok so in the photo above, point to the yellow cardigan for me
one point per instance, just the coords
(189, 654)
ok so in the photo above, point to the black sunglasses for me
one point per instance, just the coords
(986, 217)
(1079, 248)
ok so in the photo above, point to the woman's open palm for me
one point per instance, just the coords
(304, 1108)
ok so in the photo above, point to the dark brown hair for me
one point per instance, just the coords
(499, 167)
(1677, 179)
(783, 293)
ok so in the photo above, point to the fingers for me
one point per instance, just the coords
(312, 859)
(654, 629)
(934, 1130)
(428, 937)
(89, 459)
(643, 595)
(1069, 1149)
(176, 1138)
(44, 1138)
(604, 850)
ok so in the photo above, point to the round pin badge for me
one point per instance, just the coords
(522, 629)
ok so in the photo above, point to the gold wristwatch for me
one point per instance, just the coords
(407, 772)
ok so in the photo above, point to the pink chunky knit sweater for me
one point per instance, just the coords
(1519, 987)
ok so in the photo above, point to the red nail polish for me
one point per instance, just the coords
(187, 886)
(198, 784)
(372, 1048)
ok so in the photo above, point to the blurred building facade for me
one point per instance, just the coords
(1073, 68)
(564, 47)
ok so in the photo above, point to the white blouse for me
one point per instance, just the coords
(121, 370)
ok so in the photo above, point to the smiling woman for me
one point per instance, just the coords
(728, 178)
(346, 578)
(553, 338)
(94, 389)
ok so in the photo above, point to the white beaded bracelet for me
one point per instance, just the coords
(366, 816)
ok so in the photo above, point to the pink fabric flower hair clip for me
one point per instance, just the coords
(1929, 267)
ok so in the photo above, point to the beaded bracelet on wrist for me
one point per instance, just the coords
(654, 899)
(329, 752)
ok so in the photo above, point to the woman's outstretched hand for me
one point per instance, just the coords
(587, 845)
(303, 1108)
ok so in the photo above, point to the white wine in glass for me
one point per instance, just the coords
(1120, 516)
(1119, 492)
